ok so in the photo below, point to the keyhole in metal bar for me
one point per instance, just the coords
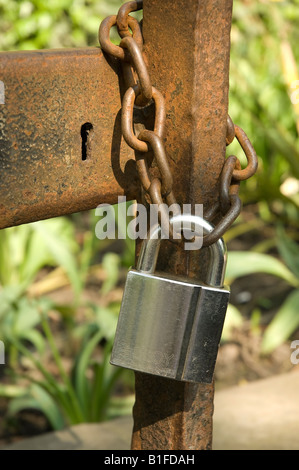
(86, 135)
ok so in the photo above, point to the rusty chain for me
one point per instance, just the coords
(229, 204)
(140, 92)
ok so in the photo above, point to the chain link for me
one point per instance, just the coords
(140, 92)
(127, 117)
(112, 49)
(123, 17)
(251, 156)
(229, 204)
(237, 132)
(137, 61)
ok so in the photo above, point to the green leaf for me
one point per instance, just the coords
(289, 250)
(23, 403)
(78, 414)
(36, 339)
(233, 320)
(9, 296)
(105, 377)
(81, 382)
(107, 321)
(27, 316)
(6, 265)
(121, 406)
(111, 262)
(37, 256)
(285, 322)
(12, 391)
(243, 263)
(57, 239)
(39, 399)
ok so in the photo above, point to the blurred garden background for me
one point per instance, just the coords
(61, 287)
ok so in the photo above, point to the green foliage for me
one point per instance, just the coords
(75, 398)
(260, 81)
(24, 251)
(286, 320)
(36, 24)
(288, 249)
(245, 263)
(264, 55)
(84, 393)
(284, 324)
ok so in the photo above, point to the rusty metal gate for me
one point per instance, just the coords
(62, 152)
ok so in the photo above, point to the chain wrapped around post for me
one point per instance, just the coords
(159, 190)
(140, 92)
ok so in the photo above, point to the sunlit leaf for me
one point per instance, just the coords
(243, 263)
(27, 316)
(107, 320)
(12, 391)
(111, 262)
(58, 243)
(285, 322)
(233, 320)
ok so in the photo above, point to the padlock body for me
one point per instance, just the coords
(169, 327)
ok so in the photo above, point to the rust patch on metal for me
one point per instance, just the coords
(49, 96)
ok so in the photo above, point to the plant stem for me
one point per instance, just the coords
(63, 374)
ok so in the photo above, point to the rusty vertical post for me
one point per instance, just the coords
(187, 44)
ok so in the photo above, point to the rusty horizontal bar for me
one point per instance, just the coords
(60, 138)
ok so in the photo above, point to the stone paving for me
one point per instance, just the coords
(262, 415)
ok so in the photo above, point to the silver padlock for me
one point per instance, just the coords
(170, 326)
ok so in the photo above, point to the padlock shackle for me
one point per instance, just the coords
(148, 257)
